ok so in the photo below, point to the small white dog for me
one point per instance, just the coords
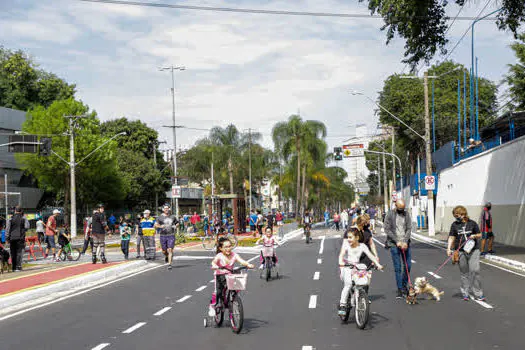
(422, 286)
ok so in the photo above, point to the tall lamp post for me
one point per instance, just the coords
(174, 127)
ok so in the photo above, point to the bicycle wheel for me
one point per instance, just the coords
(208, 242)
(233, 239)
(63, 255)
(307, 234)
(75, 254)
(268, 263)
(236, 314)
(362, 309)
(219, 317)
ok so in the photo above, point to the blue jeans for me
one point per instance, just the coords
(399, 266)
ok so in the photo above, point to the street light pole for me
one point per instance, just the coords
(428, 156)
(172, 69)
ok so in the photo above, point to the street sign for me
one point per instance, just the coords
(23, 144)
(175, 191)
(430, 183)
(394, 196)
(354, 150)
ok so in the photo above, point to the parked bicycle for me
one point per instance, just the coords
(358, 297)
(231, 300)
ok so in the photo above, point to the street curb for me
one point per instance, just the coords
(25, 299)
(509, 262)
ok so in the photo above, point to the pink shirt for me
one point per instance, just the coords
(268, 242)
(224, 261)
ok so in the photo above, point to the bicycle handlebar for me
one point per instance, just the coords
(368, 268)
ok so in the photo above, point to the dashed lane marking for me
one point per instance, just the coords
(211, 281)
(101, 346)
(321, 248)
(434, 275)
(378, 242)
(134, 328)
(184, 298)
(316, 275)
(484, 304)
(413, 261)
(319, 261)
(313, 302)
(200, 289)
(307, 347)
(162, 311)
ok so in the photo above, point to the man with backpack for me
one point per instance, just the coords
(16, 229)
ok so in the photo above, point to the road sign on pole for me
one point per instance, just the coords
(394, 196)
(175, 191)
(354, 150)
(430, 183)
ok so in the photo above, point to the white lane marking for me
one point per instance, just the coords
(378, 242)
(434, 275)
(313, 302)
(252, 259)
(134, 328)
(79, 293)
(413, 261)
(184, 298)
(307, 347)
(101, 346)
(316, 275)
(484, 304)
(321, 248)
(319, 261)
(200, 289)
(161, 311)
(211, 281)
(483, 262)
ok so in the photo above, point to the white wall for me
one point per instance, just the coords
(495, 176)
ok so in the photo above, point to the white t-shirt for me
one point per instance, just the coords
(40, 226)
(352, 255)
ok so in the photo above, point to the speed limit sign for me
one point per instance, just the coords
(430, 183)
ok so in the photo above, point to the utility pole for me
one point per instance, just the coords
(385, 191)
(393, 160)
(428, 155)
(379, 176)
(72, 182)
(250, 165)
(212, 187)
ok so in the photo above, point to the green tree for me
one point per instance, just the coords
(516, 76)
(97, 178)
(423, 23)
(135, 162)
(24, 86)
(288, 138)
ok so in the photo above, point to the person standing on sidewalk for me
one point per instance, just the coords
(167, 224)
(337, 219)
(485, 222)
(40, 230)
(398, 228)
(279, 219)
(195, 218)
(98, 232)
(148, 230)
(51, 231)
(140, 236)
(88, 240)
(125, 236)
(463, 237)
(16, 228)
(344, 219)
(372, 212)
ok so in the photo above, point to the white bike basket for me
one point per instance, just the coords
(267, 251)
(236, 281)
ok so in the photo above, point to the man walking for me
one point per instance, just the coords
(98, 233)
(253, 222)
(51, 231)
(167, 224)
(398, 228)
(372, 212)
(148, 230)
(485, 223)
(195, 218)
(140, 236)
(344, 219)
(16, 228)
(88, 240)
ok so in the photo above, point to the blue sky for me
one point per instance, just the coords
(247, 69)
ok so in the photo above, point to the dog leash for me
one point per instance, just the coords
(406, 267)
(451, 255)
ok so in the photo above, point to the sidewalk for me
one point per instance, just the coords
(511, 256)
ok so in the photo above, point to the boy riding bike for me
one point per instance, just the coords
(351, 252)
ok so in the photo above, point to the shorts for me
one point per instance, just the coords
(279, 223)
(167, 242)
(62, 242)
(372, 222)
(50, 241)
(487, 235)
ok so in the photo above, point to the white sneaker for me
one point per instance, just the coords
(261, 267)
(211, 311)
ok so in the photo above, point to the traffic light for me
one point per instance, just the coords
(45, 146)
(337, 153)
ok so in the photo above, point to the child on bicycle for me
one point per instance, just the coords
(351, 252)
(268, 240)
(63, 239)
(223, 264)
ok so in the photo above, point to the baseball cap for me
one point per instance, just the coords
(147, 211)
(56, 211)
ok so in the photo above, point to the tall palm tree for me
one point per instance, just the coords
(289, 137)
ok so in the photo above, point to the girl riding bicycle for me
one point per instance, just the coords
(223, 264)
(351, 252)
(268, 240)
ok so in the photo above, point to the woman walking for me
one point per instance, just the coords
(463, 238)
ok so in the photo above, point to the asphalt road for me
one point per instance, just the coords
(280, 314)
